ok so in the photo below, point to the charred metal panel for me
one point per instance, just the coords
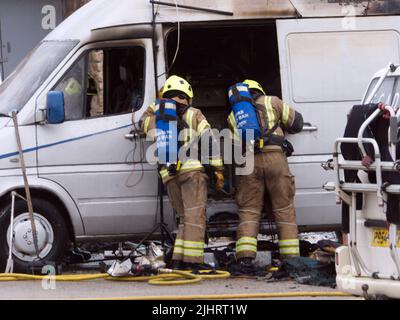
(240, 9)
(300, 8)
(314, 8)
(122, 33)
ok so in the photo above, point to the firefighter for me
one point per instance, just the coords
(187, 187)
(271, 174)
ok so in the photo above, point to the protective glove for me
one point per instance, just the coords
(386, 113)
(219, 179)
(367, 161)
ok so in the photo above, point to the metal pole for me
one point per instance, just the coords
(26, 184)
(351, 235)
(362, 129)
(153, 23)
(161, 191)
(10, 261)
(160, 182)
(1, 59)
(160, 187)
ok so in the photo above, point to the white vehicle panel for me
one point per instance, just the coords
(325, 67)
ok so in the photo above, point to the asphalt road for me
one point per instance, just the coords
(105, 289)
(34, 290)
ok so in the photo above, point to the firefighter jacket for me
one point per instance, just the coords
(197, 127)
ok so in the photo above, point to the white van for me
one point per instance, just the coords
(91, 183)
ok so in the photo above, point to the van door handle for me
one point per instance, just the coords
(134, 135)
(129, 136)
(308, 127)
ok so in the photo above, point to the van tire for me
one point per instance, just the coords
(54, 222)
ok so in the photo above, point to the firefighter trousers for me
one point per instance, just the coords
(271, 174)
(188, 195)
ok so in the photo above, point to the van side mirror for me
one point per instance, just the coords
(55, 107)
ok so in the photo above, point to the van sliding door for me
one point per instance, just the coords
(326, 65)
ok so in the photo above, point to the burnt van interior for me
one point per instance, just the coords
(214, 58)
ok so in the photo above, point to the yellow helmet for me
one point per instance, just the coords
(254, 85)
(175, 83)
(73, 87)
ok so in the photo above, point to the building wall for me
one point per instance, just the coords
(72, 5)
(23, 24)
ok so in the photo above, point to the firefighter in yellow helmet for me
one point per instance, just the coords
(187, 184)
(271, 174)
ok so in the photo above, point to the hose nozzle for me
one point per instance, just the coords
(165, 270)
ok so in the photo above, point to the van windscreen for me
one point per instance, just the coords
(19, 87)
(388, 93)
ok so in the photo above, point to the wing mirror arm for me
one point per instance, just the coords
(41, 115)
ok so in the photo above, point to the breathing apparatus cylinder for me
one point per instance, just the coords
(167, 134)
(245, 112)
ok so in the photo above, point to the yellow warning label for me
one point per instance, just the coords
(380, 238)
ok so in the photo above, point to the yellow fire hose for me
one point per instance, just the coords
(166, 277)
(69, 277)
(172, 277)
(175, 278)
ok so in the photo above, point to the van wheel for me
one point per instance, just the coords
(51, 230)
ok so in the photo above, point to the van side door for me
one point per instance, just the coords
(107, 175)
